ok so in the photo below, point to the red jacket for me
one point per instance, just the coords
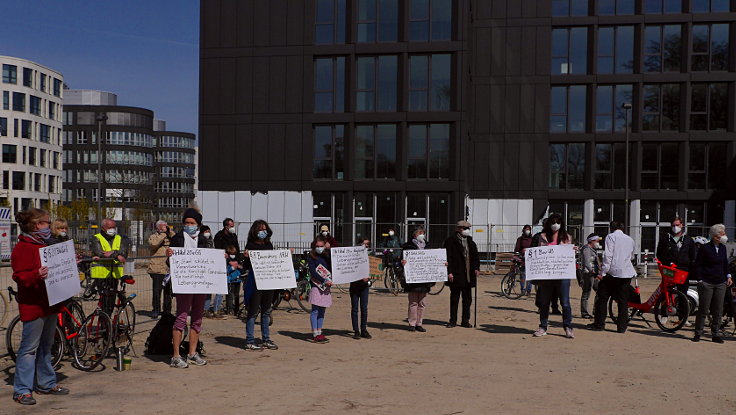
(32, 299)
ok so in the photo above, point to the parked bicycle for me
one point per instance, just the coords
(123, 314)
(512, 284)
(393, 272)
(4, 308)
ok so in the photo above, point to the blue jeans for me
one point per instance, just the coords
(208, 303)
(317, 317)
(259, 301)
(33, 359)
(549, 289)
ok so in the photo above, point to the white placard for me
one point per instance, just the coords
(198, 271)
(555, 262)
(273, 270)
(62, 282)
(349, 263)
(425, 265)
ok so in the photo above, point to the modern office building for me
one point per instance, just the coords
(30, 133)
(368, 112)
(175, 172)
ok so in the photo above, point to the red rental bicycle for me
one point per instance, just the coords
(670, 307)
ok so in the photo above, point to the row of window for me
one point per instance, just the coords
(428, 154)
(176, 172)
(661, 51)
(31, 130)
(32, 79)
(174, 187)
(32, 182)
(111, 176)
(377, 87)
(173, 202)
(174, 157)
(120, 138)
(36, 106)
(33, 156)
(660, 168)
(127, 119)
(562, 8)
(133, 158)
(383, 21)
(660, 109)
(175, 141)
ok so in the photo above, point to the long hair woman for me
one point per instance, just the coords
(259, 239)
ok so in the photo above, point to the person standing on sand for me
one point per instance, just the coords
(320, 269)
(463, 269)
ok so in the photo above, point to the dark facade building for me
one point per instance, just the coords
(427, 111)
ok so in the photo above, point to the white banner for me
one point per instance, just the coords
(62, 282)
(556, 262)
(273, 270)
(198, 271)
(349, 264)
(425, 265)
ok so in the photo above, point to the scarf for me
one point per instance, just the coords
(34, 238)
(419, 244)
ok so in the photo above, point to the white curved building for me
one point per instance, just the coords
(30, 133)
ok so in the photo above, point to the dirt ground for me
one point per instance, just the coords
(497, 368)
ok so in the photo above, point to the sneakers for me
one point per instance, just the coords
(367, 335)
(587, 316)
(466, 325)
(270, 345)
(696, 338)
(196, 360)
(178, 362)
(253, 347)
(56, 390)
(25, 399)
(321, 339)
(717, 339)
(540, 332)
(412, 328)
(421, 329)
(568, 333)
(209, 314)
(450, 325)
(356, 335)
(594, 327)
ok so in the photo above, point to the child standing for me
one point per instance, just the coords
(319, 296)
(234, 271)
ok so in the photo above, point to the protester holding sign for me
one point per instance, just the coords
(33, 357)
(259, 239)
(553, 233)
(463, 269)
(188, 305)
(417, 292)
(359, 297)
(320, 270)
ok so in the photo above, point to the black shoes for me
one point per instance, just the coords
(466, 325)
(421, 329)
(594, 327)
(412, 328)
(356, 335)
(696, 338)
(717, 339)
(366, 335)
(450, 325)
(621, 330)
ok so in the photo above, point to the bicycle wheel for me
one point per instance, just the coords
(671, 317)
(3, 308)
(388, 277)
(278, 296)
(511, 285)
(437, 288)
(303, 287)
(124, 325)
(14, 336)
(343, 288)
(94, 340)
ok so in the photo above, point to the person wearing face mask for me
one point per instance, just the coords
(259, 239)
(591, 269)
(417, 293)
(234, 273)
(59, 231)
(324, 230)
(320, 269)
(158, 268)
(109, 253)
(227, 237)
(676, 247)
(463, 269)
(359, 300)
(391, 240)
(522, 243)
(711, 269)
(33, 370)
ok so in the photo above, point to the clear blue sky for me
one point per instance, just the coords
(146, 51)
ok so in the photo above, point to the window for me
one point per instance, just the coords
(3, 127)
(25, 129)
(329, 150)
(42, 159)
(659, 166)
(429, 82)
(34, 105)
(430, 20)
(706, 6)
(708, 106)
(10, 74)
(661, 110)
(662, 6)
(569, 51)
(610, 115)
(10, 153)
(610, 166)
(28, 77)
(44, 135)
(330, 22)
(429, 151)
(561, 8)
(706, 166)
(329, 84)
(375, 151)
(616, 49)
(566, 166)
(19, 101)
(56, 161)
(37, 182)
(617, 7)
(6, 100)
(377, 83)
(568, 109)
(31, 156)
(378, 20)
(662, 45)
(52, 110)
(57, 87)
(19, 180)
(6, 179)
(42, 85)
(710, 47)
(52, 182)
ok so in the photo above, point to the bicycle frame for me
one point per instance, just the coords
(662, 290)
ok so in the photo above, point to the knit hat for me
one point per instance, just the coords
(194, 214)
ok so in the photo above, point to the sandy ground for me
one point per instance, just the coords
(497, 368)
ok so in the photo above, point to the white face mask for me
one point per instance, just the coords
(62, 234)
(325, 233)
(390, 233)
(676, 229)
(112, 231)
(420, 237)
(207, 234)
(596, 246)
(556, 227)
(527, 233)
(319, 250)
(466, 232)
(724, 239)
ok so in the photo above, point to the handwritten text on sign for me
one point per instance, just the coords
(198, 271)
(63, 280)
(550, 263)
(349, 264)
(425, 265)
(273, 270)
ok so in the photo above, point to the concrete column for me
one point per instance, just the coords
(729, 218)
(635, 226)
(588, 217)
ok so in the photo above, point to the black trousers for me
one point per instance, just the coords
(467, 294)
(618, 288)
(232, 300)
(158, 287)
(260, 301)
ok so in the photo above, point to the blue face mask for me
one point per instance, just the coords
(262, 234)
(191, 229)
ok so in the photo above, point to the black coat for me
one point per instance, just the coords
(223, 240)
(422, 287)
(711, 266)
(668, 252)
(456, 262)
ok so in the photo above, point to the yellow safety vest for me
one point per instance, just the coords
(105, 269)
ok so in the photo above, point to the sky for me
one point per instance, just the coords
(145, 51)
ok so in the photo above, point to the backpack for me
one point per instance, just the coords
(160, 340)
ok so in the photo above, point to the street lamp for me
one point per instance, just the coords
(101, 117)
(627, 109)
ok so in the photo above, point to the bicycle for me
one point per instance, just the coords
(512, 284)
(123, 313)
(393, 272)
(4, 306)
(671, 308)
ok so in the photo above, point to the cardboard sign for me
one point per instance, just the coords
(425, 265)
(376, 267)
(273, 270)
(349, 264)
(62, 282)
(198, 271)
(555, 262)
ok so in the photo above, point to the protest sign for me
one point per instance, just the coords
(198, 271)
(555, 262)
(425, 265)
(349, 264)
(273, 270)
(376, 267)
(62, 282)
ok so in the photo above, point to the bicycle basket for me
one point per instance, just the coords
(672, 275)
